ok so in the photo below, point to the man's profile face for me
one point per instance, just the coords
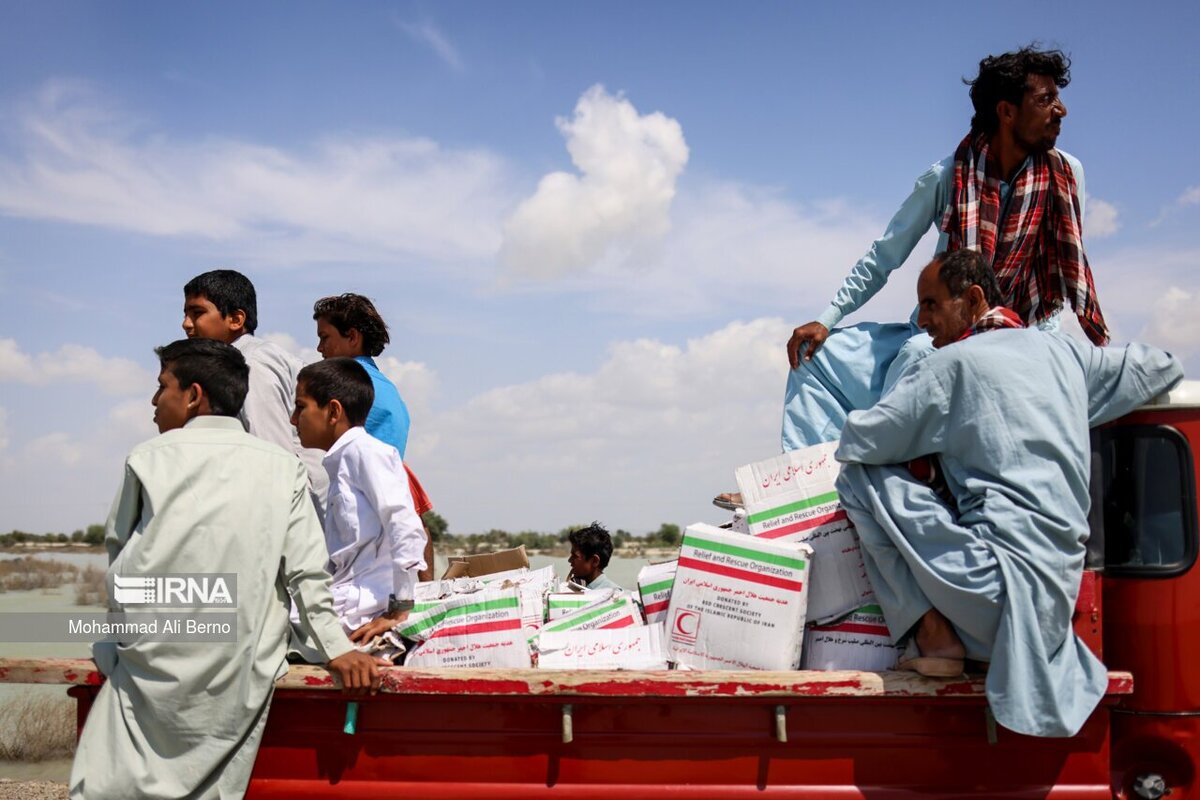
(1039, 116)
(203, 320)
(943, 317)
(171, 402)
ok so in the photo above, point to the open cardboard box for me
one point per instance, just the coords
(486, 563)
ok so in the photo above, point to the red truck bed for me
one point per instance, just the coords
(529, 733)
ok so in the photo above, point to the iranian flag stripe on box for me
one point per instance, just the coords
(475, 628)
(788, 508)
(619, 608)
(804, 525)
(771, 559)
(418, 626)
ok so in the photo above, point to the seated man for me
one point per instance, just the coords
(591, 548)
(184, 719)
(993, 575)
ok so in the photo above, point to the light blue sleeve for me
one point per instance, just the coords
(908, 422)
(1080, 184)
(924, 206)
(1119, 379)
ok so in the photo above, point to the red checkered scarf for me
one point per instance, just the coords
(995, 319)
(1038, 258)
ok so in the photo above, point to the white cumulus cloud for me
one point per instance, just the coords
(649, 436)
(628, 165)
(1100, 220)
(73, 363)
(1174, 324)
(344, 197)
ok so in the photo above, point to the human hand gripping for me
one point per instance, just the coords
(381, 624)
(358, 672)
(812, 334)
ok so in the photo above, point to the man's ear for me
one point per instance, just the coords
(976, 299)
(237, 320)
(1006, 112)
(354, 337)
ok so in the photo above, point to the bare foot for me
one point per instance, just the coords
(728, 500)
(936, 637)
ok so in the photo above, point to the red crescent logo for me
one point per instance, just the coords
(684, 616)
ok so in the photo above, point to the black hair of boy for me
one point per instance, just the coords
(353, 311)
(593, 541)
(228, 290)
(341, 379)
(219, 368)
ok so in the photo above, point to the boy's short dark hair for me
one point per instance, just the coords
(593, 541)
(219, 368)
(341, 379)
(346, 311)
(228, 290)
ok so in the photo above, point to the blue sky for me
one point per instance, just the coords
(590, 226)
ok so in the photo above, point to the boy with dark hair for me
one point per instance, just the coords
(221, 304)
(179, 719)
(349, 326)
(373, 535)
(591, 549)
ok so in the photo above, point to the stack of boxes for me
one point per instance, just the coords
(785, 589)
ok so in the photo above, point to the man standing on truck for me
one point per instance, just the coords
(989, 568)
(1007, 193)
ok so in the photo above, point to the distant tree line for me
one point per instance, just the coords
(92, 535)
(667, 535)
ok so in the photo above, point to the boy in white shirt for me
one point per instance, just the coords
(373, 534)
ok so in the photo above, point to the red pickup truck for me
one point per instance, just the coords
(532, 733)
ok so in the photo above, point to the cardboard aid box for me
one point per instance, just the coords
(618, 611)
(738, 602)
(792, 498)
(859, 641)
(560, 604)
(474, 566)
(638, 647)
(654, 585)
(482, 629)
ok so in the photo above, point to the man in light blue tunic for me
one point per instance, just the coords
(991, 569)
(1005, 192)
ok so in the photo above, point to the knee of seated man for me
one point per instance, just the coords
(851, 475)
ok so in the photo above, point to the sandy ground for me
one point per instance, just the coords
(32, 790)
(42, 780)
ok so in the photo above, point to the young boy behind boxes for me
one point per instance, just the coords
(221, 304)
(174, 718)
(374, 536)
(591, 549)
